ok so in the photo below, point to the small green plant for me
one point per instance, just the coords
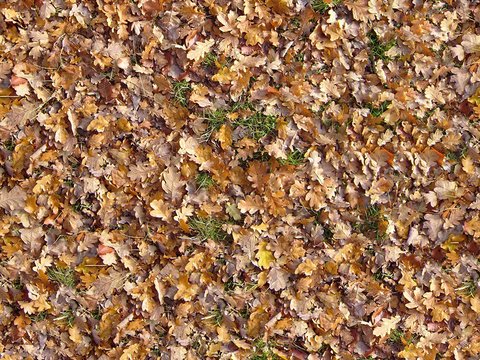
(263, 351)
(380, 275)
(97, 313)
(79, 207)
(457, 156)
(65, 277)
(214, 317)
(322, 6)
(245, 312)
(67, 317)
(180, 91)
(468, 288)
(376, 112)
(207, 228)
(41, 316)
(294, 158)
(372, 222)
(210, 60)
(300, 57)
(396, 337)
(9, 144)
(203, 180)
(257, 125)
(377, 48)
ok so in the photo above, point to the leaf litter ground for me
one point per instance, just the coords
(239, 180)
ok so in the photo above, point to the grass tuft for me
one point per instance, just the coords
(207, 228)
(67, 318)
(396, 337)
(468, 288)
(294, 158)
(372, 223)
(180, 92)
(214, 317)
(377, 48)
(323, 6)
(203, 180)
(65, 277)
(256, 125)
(210, 60)
(376, 112)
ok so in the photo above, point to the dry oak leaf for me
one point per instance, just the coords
(13, 200)
(386, 326)
(472, 227)
(160, 210)
(186, 291)
(171, 183)
(306, 268)
(448, 190)
(200, 50)
(277, 278)
(360, 10)
(224, 135)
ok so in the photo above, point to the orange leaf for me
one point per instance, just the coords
(391, 157)
(16, 80)
(102, 249)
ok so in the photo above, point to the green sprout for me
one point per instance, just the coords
(468, 288)
(323, 6)
(371, 222)
(65, 277)
(207, 228)
(203, 180)
(377, 48)
(210, 60)
(67, 318)
(214, 317)
(181, 89)
(294, 158)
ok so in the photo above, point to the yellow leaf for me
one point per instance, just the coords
(260, 228)
(223, 333)
(475, 302)
(264, 256)
(386, 326)
(306, 268)
(75, 334)
(262, 278)
(124, 125)
(186, 291)
(331, 268)
(453, 242)
(99, 124)
(224, 135)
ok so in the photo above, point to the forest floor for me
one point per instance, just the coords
(247, 179)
